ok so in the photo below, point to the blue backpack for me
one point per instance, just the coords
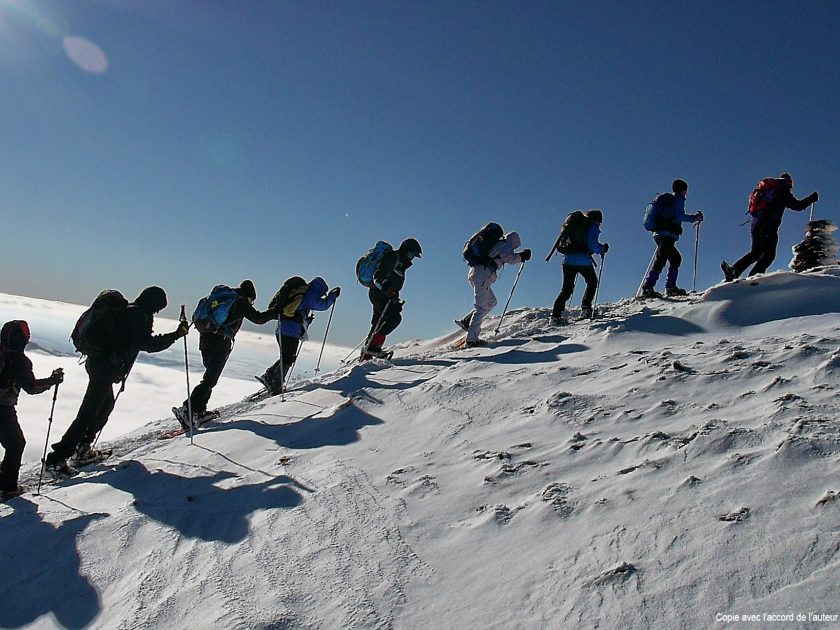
(212, 311)
(659, 213)
(367, 264)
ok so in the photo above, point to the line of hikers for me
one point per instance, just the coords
(112, 332)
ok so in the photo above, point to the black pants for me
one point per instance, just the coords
(570, 273)
(765, 240)
(215, 350)
(288, 351)
(13, 442)
(96, 407)
(666, 253)
(392, 309)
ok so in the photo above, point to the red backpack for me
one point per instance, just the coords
(764, 194)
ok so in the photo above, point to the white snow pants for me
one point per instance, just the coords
(482, 279)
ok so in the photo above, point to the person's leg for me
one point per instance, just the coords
(672, 254)
(481, 280)
(768, 242)
(591, 279)
(659, 260)
(13, 443)
(756, 250)
(98, 398)
(569, 276)
(215, 350)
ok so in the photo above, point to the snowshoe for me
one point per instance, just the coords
(463, 324)
(377, 353)
(182, 416)
(648, 293)
(728, 272)
(86, 455)
(586, 312)
(8, 495)
(675, 292)
(61, 470)
(477, 343)
(204, 417)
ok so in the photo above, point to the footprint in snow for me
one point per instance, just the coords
(738, 516)
(510, 469)
(557, 494)
(615, 575)
(829, 497)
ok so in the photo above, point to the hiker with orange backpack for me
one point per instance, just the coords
(766, 207)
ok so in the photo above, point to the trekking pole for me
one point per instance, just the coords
(282, 375)
(294, 363)
(376, 329)
(47, 442)
(598, 286)
(696, 249)
(811, 218)
(356, 347)
(644, 277)
(512, 289)
(324, 343)
(183, 318)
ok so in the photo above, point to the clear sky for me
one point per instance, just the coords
(190, 143)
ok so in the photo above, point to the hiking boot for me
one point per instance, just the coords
(675, 291)
(11, 493)
(728, 271)
(558, 320)
(475, 343)
(586, 312)
(463, 324)
(182, 416)
(648, 292)
(203, 417)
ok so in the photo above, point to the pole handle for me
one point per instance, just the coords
(183, 316)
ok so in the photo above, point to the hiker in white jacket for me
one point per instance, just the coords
(482, 277)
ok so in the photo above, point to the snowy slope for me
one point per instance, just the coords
(667, 463)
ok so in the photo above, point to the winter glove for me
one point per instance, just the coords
(525, 255)
(182, 330)
(814, 197)
(57, 376)
(605, 249)
(336, 292)
(698, 217)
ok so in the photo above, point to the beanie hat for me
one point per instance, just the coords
(248, 290)
(151, 299)
(787, 178)
(679, 185)
(595, 214)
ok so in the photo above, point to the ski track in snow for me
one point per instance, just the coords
(650, 468)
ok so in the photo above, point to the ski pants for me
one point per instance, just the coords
(13, 442)
(393, 316)
(96, 407)
(765, 240)
(570, 273)
(666, 252)
(215, 350)
(481, 278)
(276, 374)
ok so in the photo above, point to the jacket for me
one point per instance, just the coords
(584, 259)
(315, 299)
(17, 370)
(390, 274)
(771, 216)
(680, 216)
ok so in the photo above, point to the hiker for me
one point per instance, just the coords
(216, 343)
(486, 253)
(293, 310)
(15, 375)
(577, 242)
(767, 205)
(384, 296)
(664, 217)
(124, 331)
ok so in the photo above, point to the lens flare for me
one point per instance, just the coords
(85, 54)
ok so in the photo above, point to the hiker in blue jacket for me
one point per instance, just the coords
(581, 262)
(668, 215)
(291, 329)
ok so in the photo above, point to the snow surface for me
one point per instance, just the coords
(665, 465)
(152, 389)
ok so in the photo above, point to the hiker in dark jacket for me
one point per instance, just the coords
(384, 295)
(16, 375)
(764, 231)
(291, 329)
(665, 235)
(104, 368)
(215, 349)
(581, 262)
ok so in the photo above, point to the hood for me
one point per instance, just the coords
(14, 335)
(513, 240)
(151, 300)
(318, 286)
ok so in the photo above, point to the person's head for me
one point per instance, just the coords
(595, 215)
(410, 248)
(787, 178)
(14, 335)
(513, 239)
(152, 300)
(248, 290)
(680, 187)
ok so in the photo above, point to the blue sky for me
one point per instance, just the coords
(260, 139)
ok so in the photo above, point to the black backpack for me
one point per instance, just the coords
(572, 238)
(287, 300)
(477, 249)
(99, 329)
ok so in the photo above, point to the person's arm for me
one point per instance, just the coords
(383, 276)
(141, 327)
(258, 317)
(25, 377)
(800, 204)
